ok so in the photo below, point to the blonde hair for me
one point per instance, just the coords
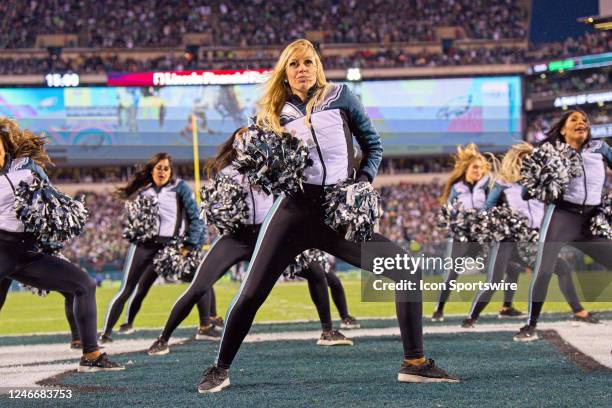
(23, 143)
(510, 171)
(463, 158)
(276, 90)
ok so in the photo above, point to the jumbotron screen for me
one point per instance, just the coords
(119, 124)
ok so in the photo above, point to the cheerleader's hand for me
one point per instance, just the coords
(185, 251)
(363, 177)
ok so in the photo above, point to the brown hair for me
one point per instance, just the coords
(225, 155)
(144, 176)
(23, 143)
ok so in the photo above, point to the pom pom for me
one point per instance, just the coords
(169, 263)
(460, 224)
(501, 223)
(224, 204)
(352, 209)
(53, 217)
(142, 219)
(275, 163)
(302, 262)
(601, 222)
(548, 170)
(35, 291)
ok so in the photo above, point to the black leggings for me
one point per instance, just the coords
(229, 250)
(5, 285)
(139, 274)
(504, 254)
(560, 227)
(213, 302)
(337, 293)
(317, 286)
(471, 249)
(21, 261)
(293, 225)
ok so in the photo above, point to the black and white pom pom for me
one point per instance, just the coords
(501, 223)
(273, 162)
(460, 224)
(547, 171)
(224, 204)
(142, 219)
(601, 222)
(302, 262)
(35, 291)
(169, 263)
(352, 209)
(53, 217)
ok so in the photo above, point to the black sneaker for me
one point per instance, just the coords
(76, 345)
(126, 328)
(158, 348)
(509, 313)
(526, 334)
(468, 323)
(214, 379)
(437, 317)
(102, 363)
(349, 323)
(589, 318)
(216, 321)
(334, 338)
(210, 333)
(424, 373)
(105, 338)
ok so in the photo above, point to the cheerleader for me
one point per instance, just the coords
(229, 249)
(469, 184)
(568, 220)
(178, 214)
(75, 342)
(298, 99)
(22, 158)
(507, 190)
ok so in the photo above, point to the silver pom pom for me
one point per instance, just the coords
(352, 209)
(601, 222)
(501, 223)
(142, 219)
(224, 204)
(276, 163)
(460, 224)
(548, 170)
(169, 263)
(303, 261)
(35, 291)
(53, 217)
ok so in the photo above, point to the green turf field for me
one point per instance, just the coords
(299, 374)
(290, 301)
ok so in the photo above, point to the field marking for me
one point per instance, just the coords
(18, 369)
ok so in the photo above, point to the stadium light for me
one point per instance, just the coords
(598, 22)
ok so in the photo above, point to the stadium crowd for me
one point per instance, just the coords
(162, 23)
(578, 81)
(392, 57)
